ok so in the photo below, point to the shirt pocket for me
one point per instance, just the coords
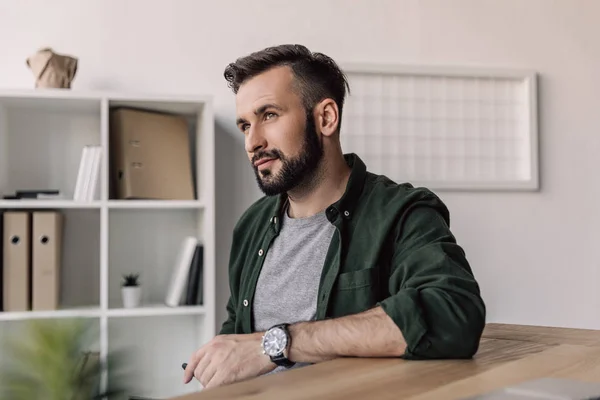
(358, 279)
(355, 291)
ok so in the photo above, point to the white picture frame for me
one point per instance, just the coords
(370, 110)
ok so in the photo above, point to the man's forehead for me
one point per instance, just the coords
(272, 85)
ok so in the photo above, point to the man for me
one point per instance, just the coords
(351, 263)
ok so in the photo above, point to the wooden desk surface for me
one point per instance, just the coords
(508, 354)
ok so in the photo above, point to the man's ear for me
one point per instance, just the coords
(327, 116)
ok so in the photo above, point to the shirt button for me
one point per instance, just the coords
(245, 303)
(274, 220)
(346, 213)
(260, 252)
(331, 213)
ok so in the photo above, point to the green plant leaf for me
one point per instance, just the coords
(51, 360)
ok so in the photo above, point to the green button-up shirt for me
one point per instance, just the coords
(392, 247)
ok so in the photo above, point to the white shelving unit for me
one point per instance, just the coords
(42, 133)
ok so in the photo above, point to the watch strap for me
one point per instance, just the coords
(281, 359)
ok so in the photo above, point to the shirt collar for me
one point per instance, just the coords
(346, 205)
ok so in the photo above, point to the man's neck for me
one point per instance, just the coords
(329, 186)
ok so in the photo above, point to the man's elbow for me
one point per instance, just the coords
(453, 330)
(461, 337)
(438, 324)
(461, 345)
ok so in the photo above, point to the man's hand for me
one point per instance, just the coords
(228, 359)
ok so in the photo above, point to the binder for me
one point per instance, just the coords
(150, 155)
(46, 259)
(16, 276)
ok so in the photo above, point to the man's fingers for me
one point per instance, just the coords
(188, 374)
(206, 371)
(216, 380)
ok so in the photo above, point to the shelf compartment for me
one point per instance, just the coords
(192, 113)
(148, 242)
(79, 267)
(41, 141)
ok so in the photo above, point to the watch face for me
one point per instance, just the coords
(274, 341)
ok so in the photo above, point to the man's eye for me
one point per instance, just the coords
(269, 115)
(245, 127)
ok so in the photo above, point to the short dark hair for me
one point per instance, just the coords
(317, 75)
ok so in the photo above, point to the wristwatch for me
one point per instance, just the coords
(275, 343)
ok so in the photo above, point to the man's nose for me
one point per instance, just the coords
(255, 140)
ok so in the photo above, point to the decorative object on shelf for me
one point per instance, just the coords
(131, 291)
(51, 359)
(52, 70)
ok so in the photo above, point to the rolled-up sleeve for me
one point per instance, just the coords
(228, 327)
(436, 301)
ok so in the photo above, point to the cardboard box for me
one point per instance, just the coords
(150, 155)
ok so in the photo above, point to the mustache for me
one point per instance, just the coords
(266, 154)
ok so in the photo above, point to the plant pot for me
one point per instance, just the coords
(132, 296)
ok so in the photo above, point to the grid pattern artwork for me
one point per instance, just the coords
(444, 130)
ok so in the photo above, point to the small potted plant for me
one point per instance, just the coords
(131, 291)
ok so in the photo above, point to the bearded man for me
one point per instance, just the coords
(333, 261)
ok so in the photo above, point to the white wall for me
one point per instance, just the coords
(534, 253)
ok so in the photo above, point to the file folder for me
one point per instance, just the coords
(150, 155)
(46, 259)
(16, 261)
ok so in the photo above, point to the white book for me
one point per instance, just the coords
(181, 270)
(78, 194)
(87, 173)
(94, 173)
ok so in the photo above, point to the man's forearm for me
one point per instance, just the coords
(368, 334)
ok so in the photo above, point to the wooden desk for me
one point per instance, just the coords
(508, 354)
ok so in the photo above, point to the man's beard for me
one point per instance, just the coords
(294, 172)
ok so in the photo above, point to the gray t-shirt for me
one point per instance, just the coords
(288, 284)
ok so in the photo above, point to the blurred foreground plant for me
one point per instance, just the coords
(51, 360)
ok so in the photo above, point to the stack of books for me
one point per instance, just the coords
(88, 176)
(185, 287)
